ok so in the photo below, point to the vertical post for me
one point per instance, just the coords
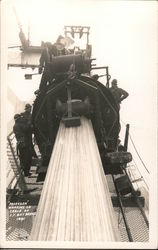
(126, 137)
(88, 36)
(107, 77)
(69, 103)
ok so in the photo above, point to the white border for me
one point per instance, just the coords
(153, 243)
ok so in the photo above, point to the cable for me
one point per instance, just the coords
(140, 174)
(135, 162)
(138, 154)
(137, 151)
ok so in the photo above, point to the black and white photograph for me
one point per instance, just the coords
(79, 124)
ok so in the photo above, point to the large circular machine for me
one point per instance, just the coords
(68, 91)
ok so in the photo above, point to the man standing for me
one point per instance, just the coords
(27, 116)
(20, 130)
(48, 52)
(118, 93)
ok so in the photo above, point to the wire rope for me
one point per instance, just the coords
(137, 151)
(138, 154)
(139, 158)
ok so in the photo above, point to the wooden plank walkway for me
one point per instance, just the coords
(75, 204)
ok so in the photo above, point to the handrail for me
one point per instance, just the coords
(8, 136)
(20, 177)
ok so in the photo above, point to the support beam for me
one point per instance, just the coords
(75, 204)
(23, 59)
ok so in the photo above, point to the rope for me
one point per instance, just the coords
(138, 154)
(140, 174)
(137, 151)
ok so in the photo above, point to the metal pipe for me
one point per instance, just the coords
(126, 137)
(107, 77)
(103, 67)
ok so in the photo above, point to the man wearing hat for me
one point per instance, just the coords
(20, 130)
(27, 116)
(118, 93)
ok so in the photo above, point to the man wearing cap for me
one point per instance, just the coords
(20, 130)
(27, 114)
(118, 93)
(95, 77)
(28, 119)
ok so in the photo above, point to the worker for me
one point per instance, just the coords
(46, 55)
(95, 77)
(48, 52)
(118, 93)
(24, 150)
(60, 45)
(27, 116)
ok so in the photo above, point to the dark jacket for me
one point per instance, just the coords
(20, 130)
(119, 94)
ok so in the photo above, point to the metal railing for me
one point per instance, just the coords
(14, 163)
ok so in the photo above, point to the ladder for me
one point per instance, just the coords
(15, 164)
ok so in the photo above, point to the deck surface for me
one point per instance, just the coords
(75, 200)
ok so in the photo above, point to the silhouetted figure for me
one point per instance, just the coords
(46, 55)
(95, 77)
(24, 150)
(118, 93)
(48, 52)
(27, 116)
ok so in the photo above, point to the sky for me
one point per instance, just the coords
(123, 35)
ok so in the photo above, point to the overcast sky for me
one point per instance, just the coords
(123, 35)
